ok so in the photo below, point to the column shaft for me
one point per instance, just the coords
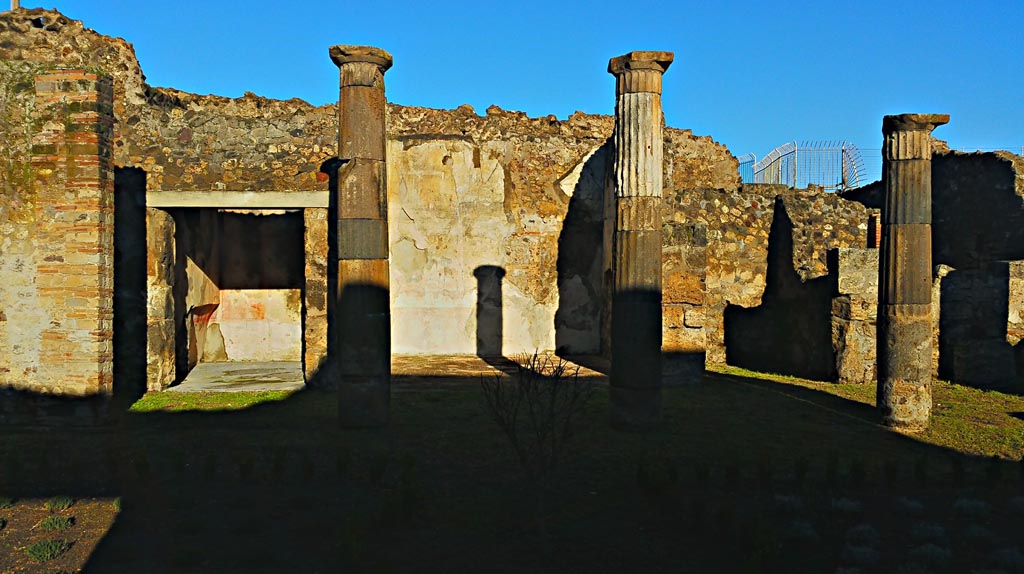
(636, 242)
(905, 273)
(361, 314)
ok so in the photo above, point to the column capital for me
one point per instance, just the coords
(908, 136)
(343, 54)
(913, 122)
(639, 71)
(361, 65)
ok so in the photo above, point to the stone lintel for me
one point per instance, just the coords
(913, 122)
(641, 60)
(343, 54)
(237, 199)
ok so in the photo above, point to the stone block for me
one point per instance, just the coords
(854, 272)
(853, 342)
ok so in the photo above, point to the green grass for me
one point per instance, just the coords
(179, 402)
(58, 503)
(51, 523)
(47, 549)
(964, 419)
(6, 502)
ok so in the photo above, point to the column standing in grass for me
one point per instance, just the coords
(905, 272)
(636, 240)
(361, 314)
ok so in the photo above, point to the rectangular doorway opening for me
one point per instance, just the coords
(241, 283)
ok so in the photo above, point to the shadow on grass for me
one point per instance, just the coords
(277, 487)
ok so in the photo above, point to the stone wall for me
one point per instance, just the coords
(684, 291)
(160, 299)
(738, 234)
(977, 208)
(465, 190)
(853, 278)
(977, 249)
(978, 238)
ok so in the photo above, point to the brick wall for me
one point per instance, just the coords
(59, 334)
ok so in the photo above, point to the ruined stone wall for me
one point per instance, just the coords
(977, 252)
(523, 194)
(466, 190)
(684, 292)
(978, 236)
(853, 278)
(977, 208)
(739, 225)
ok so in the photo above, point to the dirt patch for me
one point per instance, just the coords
(92, 518)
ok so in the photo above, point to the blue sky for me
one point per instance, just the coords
(751, 74)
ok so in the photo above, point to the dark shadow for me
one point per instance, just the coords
(277, 485)
(581, 290)
(325, 377)
(790, 332)
(636, 356)
(363, 358)
(489, 327)
(130, 304)
(977, 228)
(179, 291)
(973, 349)
(261, 251)
(489, 318)
(977, 216)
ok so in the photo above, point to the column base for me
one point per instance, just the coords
(635, 410)
(905, 405)
(364, 402)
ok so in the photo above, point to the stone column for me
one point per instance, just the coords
(361, 313)
(636, 240)
(905, 272)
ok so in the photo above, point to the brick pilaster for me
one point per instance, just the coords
(74, 188)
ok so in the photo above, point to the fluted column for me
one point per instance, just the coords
(636, 243)
(361, 313)
(905, 272)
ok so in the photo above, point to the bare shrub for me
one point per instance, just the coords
(536, 406)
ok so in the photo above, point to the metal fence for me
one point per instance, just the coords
(747, 167)
(833, 165)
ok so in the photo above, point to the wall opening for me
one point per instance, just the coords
(243, 275)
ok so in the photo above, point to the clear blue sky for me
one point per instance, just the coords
(750, 74)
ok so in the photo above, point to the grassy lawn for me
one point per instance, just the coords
(965, 419)
(751, 473)
(181, 402)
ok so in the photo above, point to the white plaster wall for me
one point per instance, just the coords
(259, 324)
(447, 217)
(22, 316)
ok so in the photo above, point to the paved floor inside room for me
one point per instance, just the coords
(238, 376)
(287, 375)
